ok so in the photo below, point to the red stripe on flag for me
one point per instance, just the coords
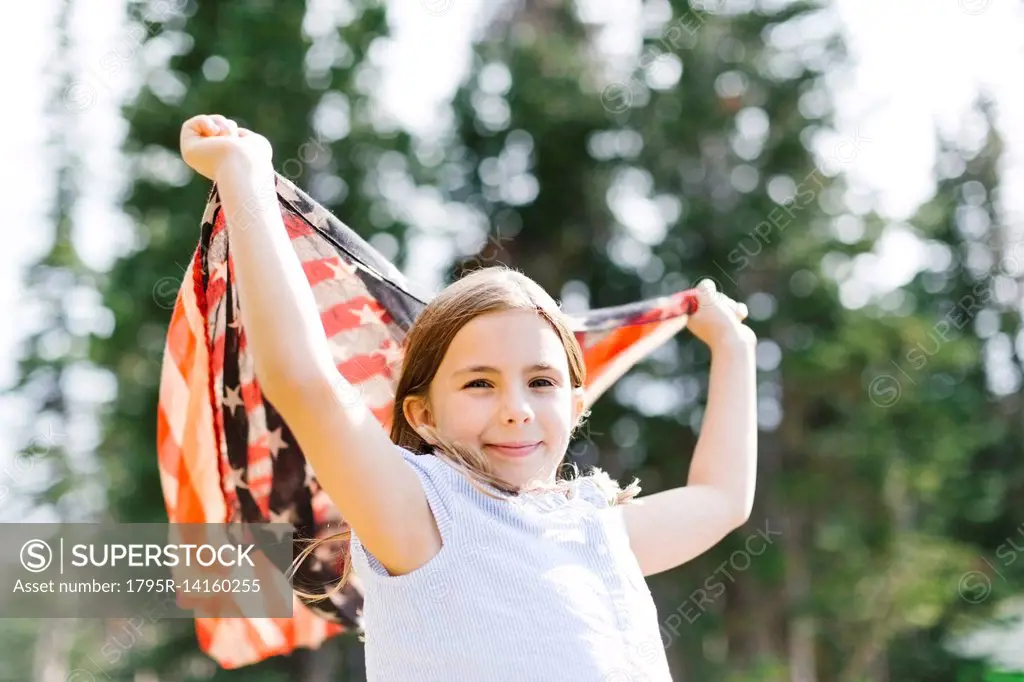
(296, 226)
(319, 270)
(344, 315)
(361, 368)
(251, 396)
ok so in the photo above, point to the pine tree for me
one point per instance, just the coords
(52, 351)
(967, 373)
(49, 478)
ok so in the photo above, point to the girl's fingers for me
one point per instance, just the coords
(195, 125)
(715, 297)
(225, 124)
(206, 125)
(740, 309)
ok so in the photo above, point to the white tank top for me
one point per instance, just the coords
(537, 587)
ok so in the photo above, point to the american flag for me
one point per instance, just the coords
(225, 454)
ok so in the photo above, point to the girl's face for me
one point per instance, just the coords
(504, 387)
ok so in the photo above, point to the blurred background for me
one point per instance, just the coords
(845, 168)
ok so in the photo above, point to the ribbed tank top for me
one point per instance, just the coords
(532, 588)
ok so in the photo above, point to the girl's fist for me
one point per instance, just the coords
(208, 141)
(719, 319)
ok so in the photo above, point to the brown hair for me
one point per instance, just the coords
(488, 290)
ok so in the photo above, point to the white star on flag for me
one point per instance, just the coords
(370, 316)
(276, 443)
(236, 478)
(220, 271)
(392, 352)
(233, 399)
(282, 516)
(280, 530)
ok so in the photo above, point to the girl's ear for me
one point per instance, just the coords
(578, 405)
(417, 412)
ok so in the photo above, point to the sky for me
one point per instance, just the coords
(915, 68)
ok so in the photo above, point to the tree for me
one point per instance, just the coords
(967, 368)
(49, 477)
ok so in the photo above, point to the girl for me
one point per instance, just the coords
(479, 562)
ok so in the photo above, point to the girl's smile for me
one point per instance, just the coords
(514, 450)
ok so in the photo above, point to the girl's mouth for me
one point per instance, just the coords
(515, 450)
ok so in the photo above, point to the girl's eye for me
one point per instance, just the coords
(536, 383)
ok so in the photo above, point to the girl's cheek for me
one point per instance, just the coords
(469, 406)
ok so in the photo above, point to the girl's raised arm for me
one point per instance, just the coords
(363, 472)
(671, 527)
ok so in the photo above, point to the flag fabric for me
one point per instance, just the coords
(226, 455)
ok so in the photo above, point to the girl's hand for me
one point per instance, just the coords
(208, 141)
(718, 321)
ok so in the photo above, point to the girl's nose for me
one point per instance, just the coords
(517, 409)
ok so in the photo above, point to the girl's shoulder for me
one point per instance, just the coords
(603, 491)
(593, 488)
(440, 481)
(432, 467)
(421, 461)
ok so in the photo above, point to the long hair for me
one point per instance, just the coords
(488, 290)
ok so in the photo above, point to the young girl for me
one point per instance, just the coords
(479, 562)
